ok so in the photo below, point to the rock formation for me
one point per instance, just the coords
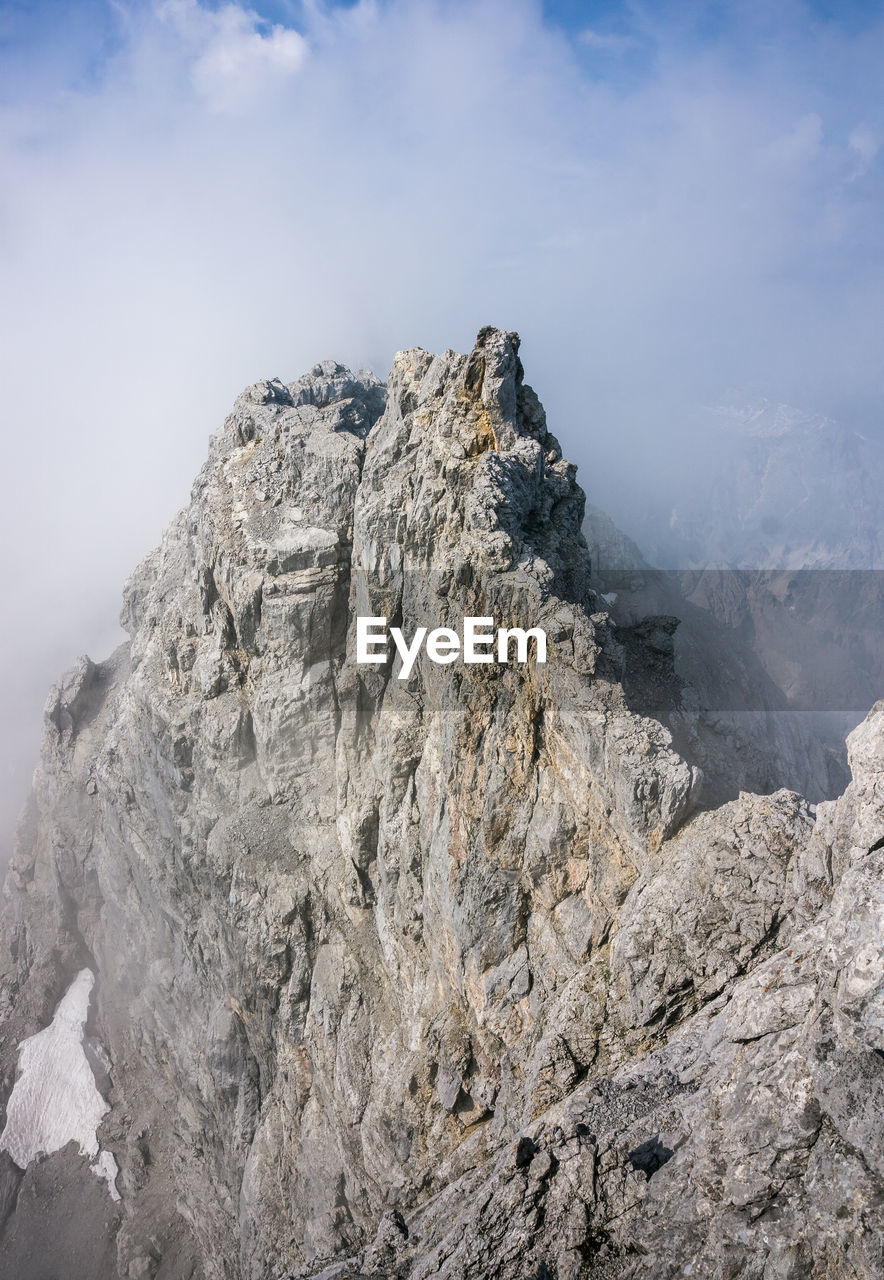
(445, 976)
(758, 675)
(766, 672)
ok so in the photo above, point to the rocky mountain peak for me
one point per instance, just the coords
(437, 974)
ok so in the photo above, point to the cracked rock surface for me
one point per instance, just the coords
(444, 976)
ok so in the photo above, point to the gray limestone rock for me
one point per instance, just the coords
(438, 976)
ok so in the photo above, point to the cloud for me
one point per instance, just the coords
(864, 143)
(800, 144)
(200, 195)
(605, 41)
(234, 62)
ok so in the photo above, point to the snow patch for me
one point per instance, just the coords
(610, 598)
(55, 1098)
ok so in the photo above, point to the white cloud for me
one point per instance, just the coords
(214, 204)
(605, 41)
(234, 62)
(864, 144)
(800, 143)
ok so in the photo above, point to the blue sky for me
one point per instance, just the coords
(76, 37)
(669, 201)
(699, 183)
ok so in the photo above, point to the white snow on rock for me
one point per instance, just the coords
(55, 1098)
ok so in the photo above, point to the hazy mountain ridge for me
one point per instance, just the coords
(769, 552)
(440, 977)
(768, 486)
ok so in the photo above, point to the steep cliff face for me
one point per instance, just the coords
(437, 975)
(756, 707)
(769, 546)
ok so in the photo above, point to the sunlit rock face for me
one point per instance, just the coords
(441, 976)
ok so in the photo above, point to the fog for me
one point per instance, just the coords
(668, 201)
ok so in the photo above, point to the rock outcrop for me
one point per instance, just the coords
(759, 675)
(438, 976)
